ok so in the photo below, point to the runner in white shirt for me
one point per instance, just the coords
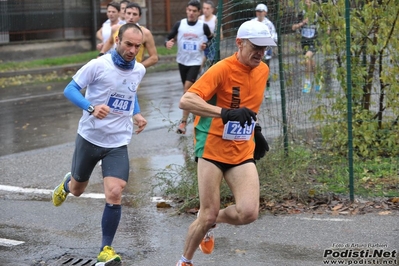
(110, 109)
(261, 13)
(113, 13)
(210, 19)
(190, 34)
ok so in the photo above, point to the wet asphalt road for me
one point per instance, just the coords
(37, 133)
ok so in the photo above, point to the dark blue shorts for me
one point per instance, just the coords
(308, 45)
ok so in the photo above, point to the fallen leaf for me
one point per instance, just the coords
(394, 200)
(384, 212)
(339, 206)
(163, 204)
(193, 211)
(238, 251)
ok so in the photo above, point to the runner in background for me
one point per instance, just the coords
(190, 34)
(208, 8)
(113, 13)
(307, 25)
(261, 13)
(133, 15)
(123, 4)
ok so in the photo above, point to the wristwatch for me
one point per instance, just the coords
(90, 109)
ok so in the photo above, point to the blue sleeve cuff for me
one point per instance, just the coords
(72, 92)
(136, 109)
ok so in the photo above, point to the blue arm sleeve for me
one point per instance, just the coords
(72, 92)
(136, 106)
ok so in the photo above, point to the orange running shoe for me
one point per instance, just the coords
(182, 128)
(208, 242)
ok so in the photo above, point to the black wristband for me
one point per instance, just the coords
(100, 54)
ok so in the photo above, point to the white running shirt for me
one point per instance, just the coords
(211, 23)
(107, 84)
(189, 41)
(107, 29)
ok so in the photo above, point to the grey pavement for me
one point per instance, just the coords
(151, 236)
(148, 235)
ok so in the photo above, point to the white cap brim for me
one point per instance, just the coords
(262, 41)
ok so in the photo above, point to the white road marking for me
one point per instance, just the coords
(9, 242)
(47, 191)
(326, 219)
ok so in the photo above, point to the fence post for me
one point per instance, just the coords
(218, 28)
(349, 99)
(282, 80)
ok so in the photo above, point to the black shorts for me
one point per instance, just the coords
(115, 161)
(188, 73)
(226, 166)
(308, 45)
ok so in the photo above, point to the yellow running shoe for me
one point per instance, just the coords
(108, 255)
(59, 194)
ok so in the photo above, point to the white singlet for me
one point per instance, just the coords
(189, 41)
(116, 88)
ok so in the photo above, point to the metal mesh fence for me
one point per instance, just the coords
(338, 105)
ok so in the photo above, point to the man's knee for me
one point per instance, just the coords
(115, 193)
(248, 215)
(208, 216)
(76, 188)
(113, 190)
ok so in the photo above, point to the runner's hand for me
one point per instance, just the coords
(261, 146)
(101, 111)
(241, 115)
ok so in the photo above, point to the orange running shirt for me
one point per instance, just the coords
(228, 84)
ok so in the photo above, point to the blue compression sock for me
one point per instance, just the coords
(110, 221)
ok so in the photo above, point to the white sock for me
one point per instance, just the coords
(183, 259)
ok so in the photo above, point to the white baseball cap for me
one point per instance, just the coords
(256, 32)
(261, 7)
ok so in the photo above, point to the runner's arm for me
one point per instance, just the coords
(99, 34)
(151, 50)
(172, 34)
(72, 93)
(207, 32)
(111, 40)
(195, 104)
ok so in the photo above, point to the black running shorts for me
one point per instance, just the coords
(115, 161)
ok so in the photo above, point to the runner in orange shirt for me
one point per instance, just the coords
(225, 101)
